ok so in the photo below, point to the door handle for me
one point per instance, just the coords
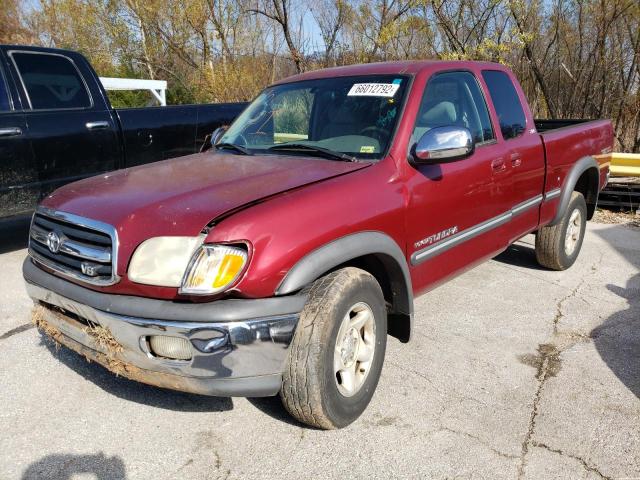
(101, 125)
(497, 164)
(516, 159)
(10, 132)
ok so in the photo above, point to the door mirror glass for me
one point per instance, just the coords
(443, 144)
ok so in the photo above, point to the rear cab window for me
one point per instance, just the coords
(454, 99)
(51, 81)
(506, 102)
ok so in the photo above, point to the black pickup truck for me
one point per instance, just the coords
(57, 126)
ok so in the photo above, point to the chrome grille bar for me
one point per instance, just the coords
(74, 247)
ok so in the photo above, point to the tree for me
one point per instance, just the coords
(280, 12)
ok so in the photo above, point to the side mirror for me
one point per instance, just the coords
(211, 139)
(443, 144)
(217, 135)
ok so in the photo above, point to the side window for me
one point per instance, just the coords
(4, 95)
(454, 98)
(51, 81)
(506, 102)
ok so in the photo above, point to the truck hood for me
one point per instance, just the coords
(182, 195)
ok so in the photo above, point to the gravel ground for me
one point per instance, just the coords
(513, 372)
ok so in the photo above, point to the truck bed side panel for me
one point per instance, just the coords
(158, 133)
(564, 147)
(213, 116)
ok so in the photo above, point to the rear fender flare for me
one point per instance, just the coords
(581, 166)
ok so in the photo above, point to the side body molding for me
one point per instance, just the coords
(581, 166)
(350, 247)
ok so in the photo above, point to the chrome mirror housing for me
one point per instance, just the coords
(443, 144)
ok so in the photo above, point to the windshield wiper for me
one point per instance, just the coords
(233, 146)
(325, 152)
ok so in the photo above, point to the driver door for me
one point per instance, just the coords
(457, 210)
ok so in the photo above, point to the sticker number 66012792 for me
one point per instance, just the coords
(374, 89)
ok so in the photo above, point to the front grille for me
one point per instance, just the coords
(73, 246)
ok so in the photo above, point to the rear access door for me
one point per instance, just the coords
(71, 129)
(18, 173)
(524, 152)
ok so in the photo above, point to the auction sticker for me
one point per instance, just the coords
(373, 90)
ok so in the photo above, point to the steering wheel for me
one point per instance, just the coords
(378, 133)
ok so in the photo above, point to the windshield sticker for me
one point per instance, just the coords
(367, 149)
(373, 90)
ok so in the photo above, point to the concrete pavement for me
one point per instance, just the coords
(513, 372)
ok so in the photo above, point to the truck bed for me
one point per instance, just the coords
(546, 124)
(158, 133)
(567, 142)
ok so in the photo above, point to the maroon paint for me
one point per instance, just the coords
(285, 221)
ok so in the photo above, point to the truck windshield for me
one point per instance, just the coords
(355, 116)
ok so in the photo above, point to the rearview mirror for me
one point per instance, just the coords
(443, 144)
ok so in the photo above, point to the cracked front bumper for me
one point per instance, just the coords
(237, 357)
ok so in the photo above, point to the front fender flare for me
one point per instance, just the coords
(315, 264)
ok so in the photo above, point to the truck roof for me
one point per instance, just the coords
(410, 67)
(37, 48)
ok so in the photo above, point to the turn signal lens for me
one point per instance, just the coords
(212, 269)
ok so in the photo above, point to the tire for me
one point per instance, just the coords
(552, 249)
(312, 391)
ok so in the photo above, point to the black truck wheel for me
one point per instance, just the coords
(558, 246)
(337, 351)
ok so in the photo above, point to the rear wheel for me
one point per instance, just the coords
(558, 246)
(337, 352)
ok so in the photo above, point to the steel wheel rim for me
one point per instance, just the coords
(574, 229)
(354, 349)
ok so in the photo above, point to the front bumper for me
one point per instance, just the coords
(231, 356)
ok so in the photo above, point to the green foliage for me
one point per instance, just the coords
(291, 112)
(574, 58)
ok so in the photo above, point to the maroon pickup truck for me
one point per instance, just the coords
(279, 260)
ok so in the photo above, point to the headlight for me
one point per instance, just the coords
(213, 268)
(162, 261)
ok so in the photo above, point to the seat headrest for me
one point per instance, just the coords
(442, 113)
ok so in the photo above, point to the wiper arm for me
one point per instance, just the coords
(325, 152)
(233, 146)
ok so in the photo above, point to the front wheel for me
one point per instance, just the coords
(558, 246)
(337, 351)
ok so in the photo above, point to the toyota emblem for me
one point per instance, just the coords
(53, 242)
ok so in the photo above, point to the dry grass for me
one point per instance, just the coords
(101, 336)
(103, 339)
(629, 219)
(38, 319)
